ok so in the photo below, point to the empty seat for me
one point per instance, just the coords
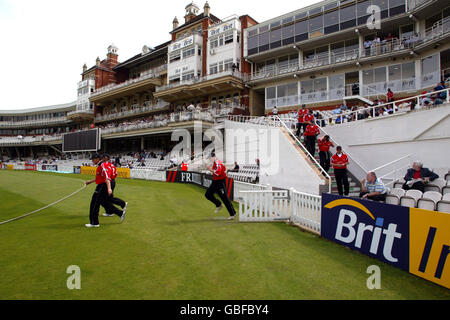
(394, 196)
(436, 185)
(444, 204)
(447, 177)
(410, 198)
(429, 200)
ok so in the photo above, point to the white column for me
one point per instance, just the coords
(418, 73)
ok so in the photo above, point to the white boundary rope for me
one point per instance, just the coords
(43, 208)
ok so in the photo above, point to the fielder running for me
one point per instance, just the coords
(218, 171)
(112, 170)
(101, 194)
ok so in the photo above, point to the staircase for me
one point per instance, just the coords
(354, 188)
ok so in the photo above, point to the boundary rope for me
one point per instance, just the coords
(43, 208)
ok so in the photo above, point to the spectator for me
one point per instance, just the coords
(417, 177)
(390, 95)
(441, 86)
(275, 111)
(324, 152)
(235, 169)
(373, 188)
(339, 162)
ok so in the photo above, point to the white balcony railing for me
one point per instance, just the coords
(28, 140)
(87, 111)
(153, 73)
(235, 73)
(34, 123)
(136, 110)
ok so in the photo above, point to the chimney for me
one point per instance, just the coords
(97, 62)
(112, 56)
(84, 68)
(175, 23)
(206, 9)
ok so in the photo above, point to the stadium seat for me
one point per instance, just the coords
(436, 185)
(429, 200)
(394, 196)
(410, 198)
(447, 177)
(444, 204)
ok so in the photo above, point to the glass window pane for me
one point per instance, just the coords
(288, 32)
(300, 15)
(264, 39)
(367, 76)
(362, 8)
(380, 74)
(408, 70)
(347, 13)
(320, 84)
(275, 35)
(330, 6)
(307, 86)
(252, 33)
(271, 93)
(282, 91)
(331, 18)
(396, 3)
(287, 20)
(315, 11)
(275, 24)
(252, 42)
(395, 72)
(316, 23)
(263, 28)
(383, 4)
(301, 27)
(292, 89)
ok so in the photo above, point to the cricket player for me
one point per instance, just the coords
(101, 194)
(218, 171)
(112, 170)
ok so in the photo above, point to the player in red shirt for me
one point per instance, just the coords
(101, 193)
(301, 125)
(219, 172)
(339, 162)
(112, 170)
(324, 152)
(310, 134)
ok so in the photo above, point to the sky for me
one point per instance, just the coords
(44, 43)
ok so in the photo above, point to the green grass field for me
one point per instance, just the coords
(172, 246)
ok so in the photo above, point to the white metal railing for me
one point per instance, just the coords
(152, 73)
(85, 111)
(311, 158)
(138, 109)
(264, 205)
(394, 170)
(235, 73)
(265, 121)
(244, 186)
(14, 141)
(305, 210)
(37, 122)
(398, 106)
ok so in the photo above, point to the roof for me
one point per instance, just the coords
(198, 18)
(140, 58)
(58, 107)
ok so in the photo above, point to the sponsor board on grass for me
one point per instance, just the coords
(414, 240)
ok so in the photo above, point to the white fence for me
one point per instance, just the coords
(264, 205)
(243, 186)
(144, 174)
(301, 209)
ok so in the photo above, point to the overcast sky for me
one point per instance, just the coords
(44, 43)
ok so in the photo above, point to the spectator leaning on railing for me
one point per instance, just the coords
(373, 188)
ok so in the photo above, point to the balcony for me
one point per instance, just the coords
(148, 80)
(136, 111)
(30, 140)
(81, 115)
(34, 123)
(378, 51)
(201, 86)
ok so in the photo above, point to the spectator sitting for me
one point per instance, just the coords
(426, 100)
(236, 168)
(417, 177)
(441, 86)
(373, 188)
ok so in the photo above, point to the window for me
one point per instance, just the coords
(275, 38)
(316, 24)
(213, 68)
(287, 34)
(347, 17)
(228, 38)
(188, 76)
(301, 31)
(188, 53)
(214, 43)
(174, 56)
(228, 64)
(264, 41)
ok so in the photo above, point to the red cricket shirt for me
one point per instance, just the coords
(102, 174)
(220, 171)
(311, 130)
(339, 160)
